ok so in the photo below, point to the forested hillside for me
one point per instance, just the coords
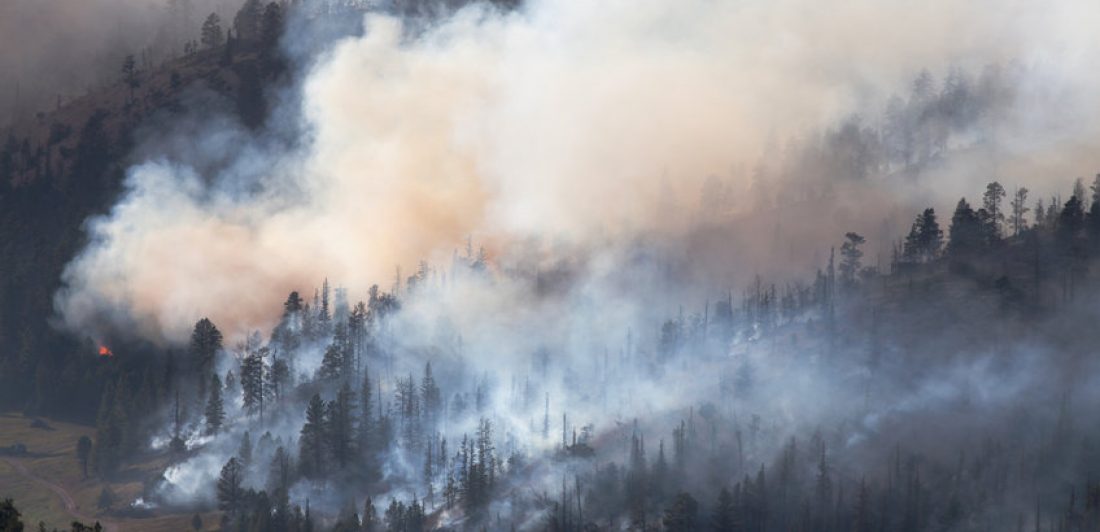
(444, 265)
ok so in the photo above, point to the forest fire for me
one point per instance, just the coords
(104, 351)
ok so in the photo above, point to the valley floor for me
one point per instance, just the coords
(47, 486)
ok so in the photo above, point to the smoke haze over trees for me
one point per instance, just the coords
(572, 266)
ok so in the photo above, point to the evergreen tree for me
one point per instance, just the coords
(206, 342)
(1079, 193)
(10, 518)
(659, 479)
(277, 379)
(247, 21)
(229, 491)
(337, 363)
(112, 427)
(311, 441)
(636, 481)
(1092, 227)
(850, 263)
(395, 517)
(681, 516)
(965, 232)
(293, 304)
(925, 238)
(430, 395)
(823, 490)
(429, 474)
(1071, 220)
(366, 433)
(994, 215)
(215, 408)
(287, 334)
(357, 334)
(230, 49)
(1019, 210)
(863, 521)
(341, 426)
(370, 517)
(725, 513)
(279, 473)
(244, 452)
(252, 381)
(271, 28)
(212, 34)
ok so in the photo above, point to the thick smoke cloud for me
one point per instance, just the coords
(562, 128)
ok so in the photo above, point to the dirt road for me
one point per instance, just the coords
(66, 498)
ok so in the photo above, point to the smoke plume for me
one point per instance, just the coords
(570, 128)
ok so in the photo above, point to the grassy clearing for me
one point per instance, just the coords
(52, 457)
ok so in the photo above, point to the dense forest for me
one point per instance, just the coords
(950, 386)
(325, 423)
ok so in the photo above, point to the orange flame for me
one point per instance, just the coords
(105, 352)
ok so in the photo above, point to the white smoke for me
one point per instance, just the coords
(577, 123)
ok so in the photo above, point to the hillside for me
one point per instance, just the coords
(67, 165)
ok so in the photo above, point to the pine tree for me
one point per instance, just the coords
(341, 426)
(681, 516)
(366, 415)
(212, 35)
(278, 475)
(850, 263)
(229, 491)
(660, 477)
(10, 518)
(271, 28)
(1092, 226)
(206, 342)
(357, 333)
(1071, 220)
(430, 395)
(337, 363)
(395, 516)
(111, 429)
(215, 408)
(994, 215)
(863, 521)
(244, 452)
(370, 517)
(925, 238)
(965, 232)
(246, 23)
(429, 475)
(1040, 214)
(311, 441)
(823, 489)
(636, 481)
(277, 379)
(725, 517)
(252, 381)
(1019, 211)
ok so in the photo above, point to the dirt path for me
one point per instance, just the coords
(66, 499)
